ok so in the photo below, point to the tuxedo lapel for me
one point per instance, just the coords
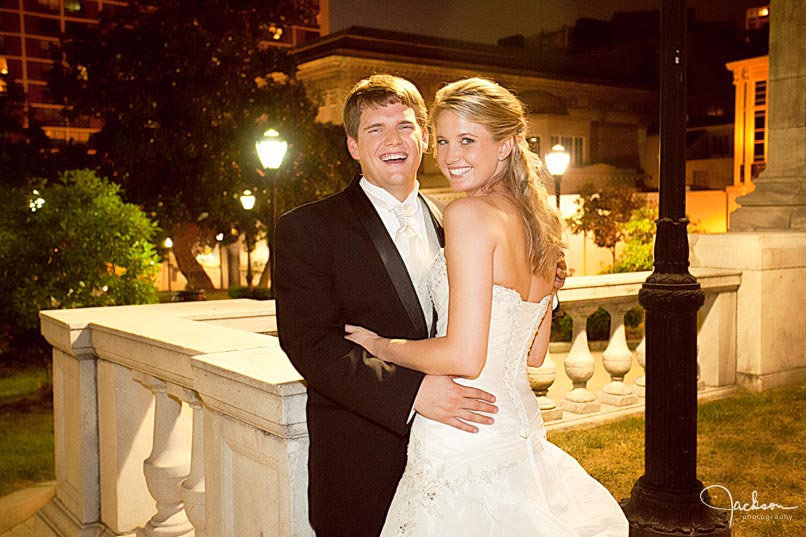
(388, 253)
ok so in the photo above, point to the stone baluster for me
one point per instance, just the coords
(639, 386)
(168, 465)
(193, 488)
(617, 360)
(579, 365)
(541, 378)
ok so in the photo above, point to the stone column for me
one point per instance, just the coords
(168, 465)
(579, 365)
(767, 236)
(193, 488)
(123, 406)
(541, 378)
(779, 200)
(617, 360)
(234, 265)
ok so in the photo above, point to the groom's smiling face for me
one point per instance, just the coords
(389, 146)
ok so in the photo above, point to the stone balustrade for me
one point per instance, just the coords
(617, 294)
(188, 419)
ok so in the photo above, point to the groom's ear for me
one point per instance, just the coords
(352, 147)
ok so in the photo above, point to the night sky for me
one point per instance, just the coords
(486, 21)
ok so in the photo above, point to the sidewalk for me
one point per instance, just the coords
(18, 508)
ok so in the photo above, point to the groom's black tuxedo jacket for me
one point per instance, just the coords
(337, 265)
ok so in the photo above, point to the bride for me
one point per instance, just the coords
(492, 290)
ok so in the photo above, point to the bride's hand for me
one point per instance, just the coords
(366, 338)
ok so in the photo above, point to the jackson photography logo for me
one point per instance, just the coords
(748, 510)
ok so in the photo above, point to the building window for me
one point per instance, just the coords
(720, 146)
(757, 18)
(700, 179)
(760, 122)
(534, 145)
(52, 5)
(575, 145)
(40, 25)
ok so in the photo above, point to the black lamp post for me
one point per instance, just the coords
(668, 500)
(248, 203)
(557, 162)
(271, 150)
(219, 238)
(169, 244)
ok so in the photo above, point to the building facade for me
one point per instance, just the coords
(30, 35)
(602, 123)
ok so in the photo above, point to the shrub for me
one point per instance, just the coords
(258, 293)
(82, 246)
(598, 326)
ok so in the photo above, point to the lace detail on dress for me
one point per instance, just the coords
(437, 276)
(518, 350)
(423, 483)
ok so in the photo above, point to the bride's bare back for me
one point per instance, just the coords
(511, 263)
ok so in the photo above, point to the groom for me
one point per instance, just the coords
(342, 261)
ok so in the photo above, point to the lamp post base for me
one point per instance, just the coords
(653, 513)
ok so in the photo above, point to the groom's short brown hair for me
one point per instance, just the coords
(381, 90)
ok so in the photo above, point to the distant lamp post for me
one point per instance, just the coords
(248, 202)
(271, 150)
(219, 238)
(557, 162)
(169, 244)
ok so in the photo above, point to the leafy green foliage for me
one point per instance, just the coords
(637, 254)
(81, 246)
(562, 328)
(598, 325)
(604, 213)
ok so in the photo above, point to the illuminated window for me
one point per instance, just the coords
(575, 145)
(50, 4)
(757, 18)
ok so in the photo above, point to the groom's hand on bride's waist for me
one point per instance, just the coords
(442, 399)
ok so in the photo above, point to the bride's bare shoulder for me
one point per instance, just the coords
(471, 206)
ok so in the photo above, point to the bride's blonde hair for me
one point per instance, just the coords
(485, 103)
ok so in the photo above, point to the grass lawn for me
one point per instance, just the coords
(26, 428)
(746, 443)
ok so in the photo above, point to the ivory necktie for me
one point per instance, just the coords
(409, 243)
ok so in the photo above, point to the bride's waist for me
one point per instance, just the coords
(501, 388)
(518, 413)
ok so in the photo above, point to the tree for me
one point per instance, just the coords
(82, 246)
(310, 174)
(637, 254)
(604, 213)
(184, 88)
(26, 152)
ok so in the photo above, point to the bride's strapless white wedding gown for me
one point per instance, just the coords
(506, 480)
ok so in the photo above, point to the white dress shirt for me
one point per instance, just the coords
(385, 204)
